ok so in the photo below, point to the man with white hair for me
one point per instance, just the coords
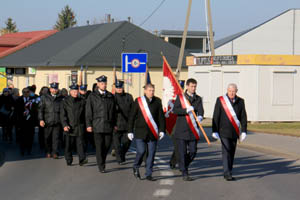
(229, 124)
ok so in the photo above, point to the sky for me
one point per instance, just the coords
(229, 16)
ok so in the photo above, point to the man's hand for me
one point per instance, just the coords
(130, 136)
(216, 136)
(200, 118)
(161, 135)
(66, 128)
(243, 136)
(189, 109)
(42, 123)
(89, 129)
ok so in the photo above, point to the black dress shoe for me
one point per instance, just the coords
(136, 173)
(150, 178)
(102, 171)
(229, 178)
(187, 178)
(172, 166)
(83, 162)
(69, 163)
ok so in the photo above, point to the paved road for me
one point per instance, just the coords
(260, 176)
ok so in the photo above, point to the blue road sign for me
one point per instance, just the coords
(134, 62)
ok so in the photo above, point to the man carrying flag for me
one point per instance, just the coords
(147, 125)
(187, 132)
(229, 116)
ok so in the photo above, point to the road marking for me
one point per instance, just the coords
(167, 173)
(162, 193)
(166, 182)
(162, 165)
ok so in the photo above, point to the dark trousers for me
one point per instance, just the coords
(121, 144)
(228, 151)
(41, 138)
(102, 142)
(88, 139)
(74, 143)
(175, 155)
(52, 138)
(7, 132)
(187, 150)
(141, 146)
(26, 138)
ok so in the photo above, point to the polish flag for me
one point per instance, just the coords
(171, 89)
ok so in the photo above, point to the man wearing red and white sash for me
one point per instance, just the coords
(229, 124)
(187, 132)
(147, 125)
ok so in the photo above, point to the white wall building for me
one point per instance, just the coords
(271, 92)
(266, 69)
(279, 35)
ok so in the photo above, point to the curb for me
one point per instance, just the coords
(266, 150)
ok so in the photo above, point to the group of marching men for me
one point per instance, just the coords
(118, 119)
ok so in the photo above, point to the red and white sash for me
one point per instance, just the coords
(148, 116)
(190, 117)
(230, 113)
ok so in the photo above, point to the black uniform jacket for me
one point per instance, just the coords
(137, 123)
(22, 117)
(221, 123)
(100, 113)
(72, 114)
(49, 109)
(183, 130)
(124, 104)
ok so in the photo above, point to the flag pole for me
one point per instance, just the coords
(194, 114)
(181, 53)
(80, 76)
(114, 79)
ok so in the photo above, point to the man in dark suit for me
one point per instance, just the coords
(124, 103)
(229, 117)
(147, 126)
(49, 117)
(101, 119)
(72, 117)
(184, 133)
(27, 120)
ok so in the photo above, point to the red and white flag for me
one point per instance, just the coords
(170, 90)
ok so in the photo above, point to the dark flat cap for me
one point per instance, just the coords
(54, 85)
(74, 87)
(102, 78)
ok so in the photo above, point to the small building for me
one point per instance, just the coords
(196, 41)
(96, 48)
(12, 42)
(270, 84)
(264, 61)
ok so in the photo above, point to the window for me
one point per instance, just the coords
(283, 88)
(203, 85)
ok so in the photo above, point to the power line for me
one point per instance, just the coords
(153, 12)
(141, 24)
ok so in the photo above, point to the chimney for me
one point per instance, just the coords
(108, 18)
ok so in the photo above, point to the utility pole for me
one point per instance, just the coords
(181, 53)
(211, 34)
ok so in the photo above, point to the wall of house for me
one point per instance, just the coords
(271, 93)
(133, 82)
(280, 35)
